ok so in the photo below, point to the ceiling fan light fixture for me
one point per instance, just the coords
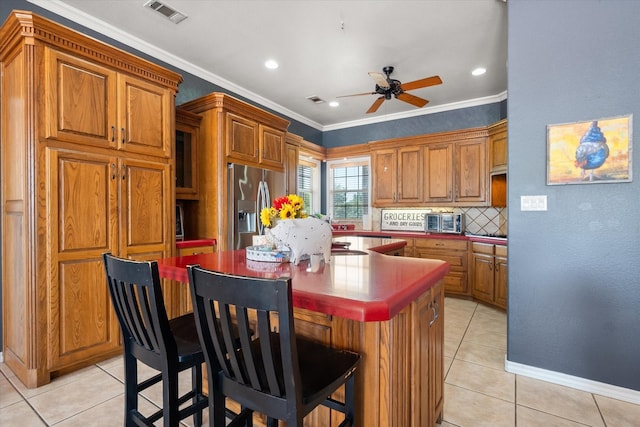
(334, 104)
(479, 71)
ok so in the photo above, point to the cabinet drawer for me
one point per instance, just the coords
(501, 250)
(455, 282)
(482, 248)
(195, 250)
(441, 244)
(458, 262)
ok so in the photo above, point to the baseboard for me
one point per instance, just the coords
(595, 387)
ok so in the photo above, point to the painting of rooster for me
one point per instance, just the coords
(595, 151)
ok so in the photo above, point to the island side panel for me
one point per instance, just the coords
(400, 379)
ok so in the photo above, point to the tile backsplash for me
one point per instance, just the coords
(478, 220)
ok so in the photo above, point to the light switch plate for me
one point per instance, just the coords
(533, 203)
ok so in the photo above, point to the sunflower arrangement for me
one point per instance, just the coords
(285, 207)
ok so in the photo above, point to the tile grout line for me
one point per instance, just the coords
(25, 400)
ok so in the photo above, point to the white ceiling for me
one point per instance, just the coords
(324, 48)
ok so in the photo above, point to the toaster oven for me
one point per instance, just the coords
(444, 223)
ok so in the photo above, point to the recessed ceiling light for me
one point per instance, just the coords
(334, 104)
(479, 71)
(271, 64)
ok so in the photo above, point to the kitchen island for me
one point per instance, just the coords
(387, 308)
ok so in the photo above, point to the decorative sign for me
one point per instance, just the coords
(403, 219)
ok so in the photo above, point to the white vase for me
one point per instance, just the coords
(303, 236)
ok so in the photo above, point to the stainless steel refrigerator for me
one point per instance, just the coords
(250, 189)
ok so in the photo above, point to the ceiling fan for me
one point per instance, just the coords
(386, 86)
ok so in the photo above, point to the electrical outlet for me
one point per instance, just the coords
(533, 203)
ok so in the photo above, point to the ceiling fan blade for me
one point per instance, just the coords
(376, 104)
(380, 79)
(417, 84)
(412, 99)
(356, 94)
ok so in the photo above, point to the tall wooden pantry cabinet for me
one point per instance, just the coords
(86, 149)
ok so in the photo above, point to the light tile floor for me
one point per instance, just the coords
(478, 392)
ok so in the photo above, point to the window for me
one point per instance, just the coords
(349, 189)
(309, 184)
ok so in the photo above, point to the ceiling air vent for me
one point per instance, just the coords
(315, 99)
(168, 12)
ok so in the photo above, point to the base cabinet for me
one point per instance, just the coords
(455, 252)
(489, 273)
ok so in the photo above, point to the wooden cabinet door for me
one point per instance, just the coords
(83, 221)
(471, 172)
(409, 175)
(436, 355)
(271, 148)
(384, 177)
(242, 139)
(421, 359)
(145, 112)
(498, 148)
(186, 154)
(501, 277)
(80, 105)
(146, 222)
(482, 276)
(438, 173)
(292, 152)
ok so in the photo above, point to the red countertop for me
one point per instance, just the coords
(373, 287)
(180, 244)
(421, 235)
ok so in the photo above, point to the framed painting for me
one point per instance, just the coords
(590, 152)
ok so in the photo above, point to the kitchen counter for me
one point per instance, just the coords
(387, 308)
(421, 235)
(371, 287)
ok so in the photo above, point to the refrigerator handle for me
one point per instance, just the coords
(259, 207)
(262, 201)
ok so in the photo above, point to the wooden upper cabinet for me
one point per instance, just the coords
(397, 175)
(498, 147)
(254, 144)
(438, 173)
(471, 176)
(384, 176)
(271, 152)
(291, 162)
(410, 174)
(146, 117)
(81, 101)
(90, 104)
(242, 138)
(444, 169)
